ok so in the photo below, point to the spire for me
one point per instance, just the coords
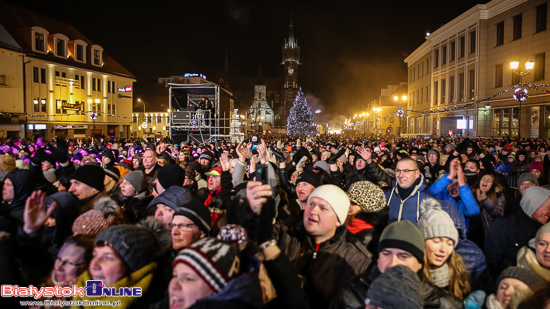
(291, 41)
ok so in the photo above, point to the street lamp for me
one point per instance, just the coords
(144, 123)
(403, 100)
(376, 110)
(514, 65)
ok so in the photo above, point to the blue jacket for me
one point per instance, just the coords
(410, 207)
(504, 167)
(467, 205)
(472, 256)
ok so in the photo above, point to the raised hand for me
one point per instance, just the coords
(366, 154)
(257, 195)
(242, 152)
(35, 213)
(224, 161)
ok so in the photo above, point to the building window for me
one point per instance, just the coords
(82, 84)
(135, 119)
(159, 119)
(421, 94)
(99, 84)
(39, 42)
(517, 26)
(113, 86)
(472, 84)
(64, 74)
(149, 119)
(35, 75)
(57, 73)
(444, 55)
(79, 52)
(36, 103)
(451, 89)
(3, 80)
(500, 33)
(540, 64)
(542, 17)
(461, 87)
(453, 50)
(427, 93)
(443, 91)
(43, 105)
(43, 76)
(436, 58)
(93, 84)
(436, 93)
(498, 75)
(60, 48)
(109, 87)
(97, 57)
(472, 42)
(428, 66)
(462, 47)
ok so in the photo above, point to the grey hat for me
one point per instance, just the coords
(435, 222)
(543, 230)
(137, 244)
(398, 287)
(138, 180)
(522, 274)
(323, 165)
(432, 152)
(326, 153)
(533, 198)
(527, 177)
(403, 235)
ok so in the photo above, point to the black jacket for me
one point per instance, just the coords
(324, 266)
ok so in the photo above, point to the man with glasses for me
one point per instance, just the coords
(190, 223)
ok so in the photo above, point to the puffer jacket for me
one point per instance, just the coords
(324, 266)
(408, 209)
(466, 205)
(520, 167)
(505, 237)
(173, 197)
(352, 294)
(472, 256)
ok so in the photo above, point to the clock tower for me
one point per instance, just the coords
(291, 60)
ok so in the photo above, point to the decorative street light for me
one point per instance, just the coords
(376, 110)
(400, 114)
(144, 123)
(520, 94)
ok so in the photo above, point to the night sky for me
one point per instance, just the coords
(349, 49)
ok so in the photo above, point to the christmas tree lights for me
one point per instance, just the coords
(301, 120)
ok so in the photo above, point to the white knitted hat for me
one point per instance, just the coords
(435, 222)
(337, 199)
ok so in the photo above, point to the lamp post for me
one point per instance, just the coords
(376, 110)
(514, 65)
(403, 100)
(144, 123)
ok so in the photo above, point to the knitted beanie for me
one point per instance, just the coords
(323, 165)
(336, 198)
(208, 155)
(137, 244)
(171, 175)
(196, 212)
(536, 166)
(234, 233)
(215, 261)
(326, 153)
(138, 180)
(522, 274)
(405, 236)
(435, 222)
(527, 177)
(367, 195)
(105, 213)
(398, 287)
(90, 174)
(533, 198)
(543, 230)
(112, 172)
(310, 177)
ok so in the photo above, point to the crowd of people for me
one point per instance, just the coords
(311, 222)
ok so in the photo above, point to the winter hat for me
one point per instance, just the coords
(533, 198)
(105, 213)
(171, 175)
(527, 177)
(112, 172)
(138, 180)
(137, 244)
(505, 149)
(234, 233)
(335, 197)
(208, 155)
(536, 166)
(216, 261)
(309, 177)
(435, 222)
(398, 287)
(367, 195)
(543, 230)
(91, 175)
(173, 197)
(405, 236)
(326, 153)
(432, 152)
(196, 212)
(322, 165)
(216, 171)
(522, 274)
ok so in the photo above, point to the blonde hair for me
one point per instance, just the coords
(458, 276)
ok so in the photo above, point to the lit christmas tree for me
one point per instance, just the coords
(301, 120)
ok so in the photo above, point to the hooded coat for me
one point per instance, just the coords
(173, 197)
(520, 167)
(23, 185)
(409, 208)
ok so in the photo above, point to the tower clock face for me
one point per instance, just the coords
(290, 70)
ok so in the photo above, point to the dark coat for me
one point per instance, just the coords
(325, 266)
(23, 185)
(504, 237)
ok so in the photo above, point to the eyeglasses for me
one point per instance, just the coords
(404, 171)
(182, 227)
(68, 263)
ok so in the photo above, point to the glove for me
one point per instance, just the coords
(39, 156)
(59, 153)
(279, 155)
(265, 222)
(334, 158)
(475, 300)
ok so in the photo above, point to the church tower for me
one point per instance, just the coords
(291, 60)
